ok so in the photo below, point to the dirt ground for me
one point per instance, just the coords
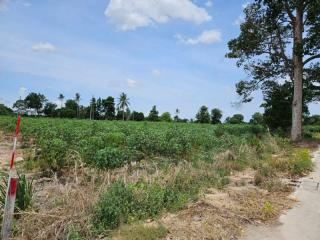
(6, 144)
(225, 214)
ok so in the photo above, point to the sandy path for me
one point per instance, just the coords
(303, 221)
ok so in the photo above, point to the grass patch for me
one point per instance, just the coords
(141, 232)
(300, 162)
(122, 204)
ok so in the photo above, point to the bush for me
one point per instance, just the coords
(24, 193)
(113, 207)
(53, 154)
(110, 157)
(300, 162)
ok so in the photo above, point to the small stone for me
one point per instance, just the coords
(19, 159)
(197, 218)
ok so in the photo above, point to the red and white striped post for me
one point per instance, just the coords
(11, 190)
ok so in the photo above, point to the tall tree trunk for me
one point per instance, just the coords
(296, 130)
(122, 114)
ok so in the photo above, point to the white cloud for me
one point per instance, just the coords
(156, 72)
(22, 92)
(131, 83)
(206, 37)
(131, 14)
(44, 47)
(208, 4)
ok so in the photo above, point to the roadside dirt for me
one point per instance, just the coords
(303, 221)
(224, 214)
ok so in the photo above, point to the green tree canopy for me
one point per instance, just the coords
(35, 101)
(4, 110)
(277, 106)
(153, 115)
(235, 119)
(257, 118)
(20, 106)
(137, 116)
(165, 117)
(203, 115)
(109, 108)
(49, 109)
(216, 115)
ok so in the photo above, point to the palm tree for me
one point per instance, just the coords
(123, 103)
(77, 99)
(61, 98)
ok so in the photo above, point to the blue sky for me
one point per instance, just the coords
(168, 53)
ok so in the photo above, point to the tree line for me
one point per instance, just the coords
(277, 114)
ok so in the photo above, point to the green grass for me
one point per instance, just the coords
(141, 232)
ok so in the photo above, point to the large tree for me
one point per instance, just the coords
(35, 101)
(216, 115)
(20, 106)
(203, 115)
(154, 114)
(50, 109)
(280, 39)
(109, 109)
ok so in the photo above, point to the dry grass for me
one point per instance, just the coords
(224, 214)
(58, 207)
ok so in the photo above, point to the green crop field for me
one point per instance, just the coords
(111, 144)
(150, 167)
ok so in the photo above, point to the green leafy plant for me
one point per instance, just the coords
(24, 194)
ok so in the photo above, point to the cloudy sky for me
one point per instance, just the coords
(168, 53)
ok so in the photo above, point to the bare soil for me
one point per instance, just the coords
(224, 214)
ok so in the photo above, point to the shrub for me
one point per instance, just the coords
(300, 162)
(268, 210)
(110, 157)
(113, 207)
(148, 201)
(24, 193)
(53, 153)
